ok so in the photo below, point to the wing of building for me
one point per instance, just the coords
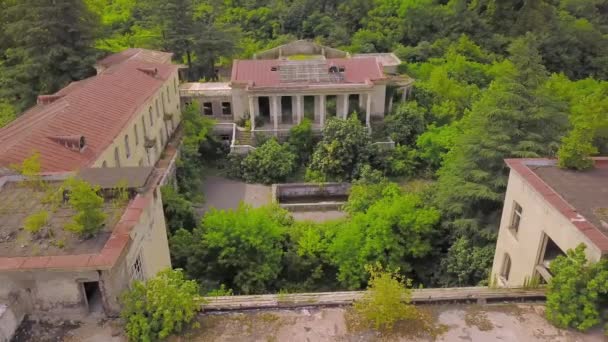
(547, 211)
(282, 86)
(123, 116)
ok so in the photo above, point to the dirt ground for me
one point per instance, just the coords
(502, 322)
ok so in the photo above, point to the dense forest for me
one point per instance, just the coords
(494, 79)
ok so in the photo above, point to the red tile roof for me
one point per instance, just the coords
(578, 196)
(97, 108)
(144, 55)
(258, 74)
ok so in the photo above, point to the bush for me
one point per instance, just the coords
(269, 163)
(178, 210)
(84, 198)
(161, 306)
(345, 145)
(577, 148)
(405, 123)
(36, 221)
(301, 140)
(578, 290)
(386, 301)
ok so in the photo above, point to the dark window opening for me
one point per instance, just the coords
(226, 108)
(93, 296)
(274, 68)
(207, 108)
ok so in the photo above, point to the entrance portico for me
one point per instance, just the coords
(289, 109)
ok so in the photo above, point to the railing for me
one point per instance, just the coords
(234, 147)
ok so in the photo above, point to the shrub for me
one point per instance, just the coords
(577, 148)
(269, 163)
(301, 140)
(36, 221)
(577, 291)
(90, 217)
(161, 306)
(387, 299)
(178, 210)
(345, 145)
(406, 123)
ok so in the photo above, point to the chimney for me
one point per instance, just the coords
(73, 142)
(48, 99)
(149, 71)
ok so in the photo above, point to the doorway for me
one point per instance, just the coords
(93, 296)
(264, 107)
(286, 110)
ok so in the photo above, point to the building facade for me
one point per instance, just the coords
(548, 210)
(121, 117)
(282, 86)
(79, 277)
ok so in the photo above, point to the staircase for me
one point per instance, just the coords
(244, 138)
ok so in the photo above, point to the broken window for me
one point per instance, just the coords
(226, 108)
(137, 269)
(516, 217)
(207, 108)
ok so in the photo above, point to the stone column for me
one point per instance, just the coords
(252, 100)
(345, 112)
(390, 102)
(299, 103)
(368, 110)
(361, 100)
(274, 110)
(322, 110)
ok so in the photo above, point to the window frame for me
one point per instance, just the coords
(229, 106)
(517, 212)
(127, 147)
(210, 108)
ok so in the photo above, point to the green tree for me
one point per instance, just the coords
(346, 145)
(269, 163)
(241, 248)
(301, 140)
(513, 118)
(84, 198)
(161, 306)
(396, 230)
(577, 148)
(190, 165)
(178, 210)
(578, 290)
(406, 123)
(7, 113)
(51, 44)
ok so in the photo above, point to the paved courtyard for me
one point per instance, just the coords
(224, 193)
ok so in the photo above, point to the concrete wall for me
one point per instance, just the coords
(378, 100)
(309, 189)
(49, 291)
(538, 216)
(139, 155)
(12, 313)
(216, 105)
(240, 103)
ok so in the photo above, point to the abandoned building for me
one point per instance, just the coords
(121, 117)
(54, 271)
(548, 210)
(282, 86)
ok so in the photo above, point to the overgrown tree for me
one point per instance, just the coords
(50, 44)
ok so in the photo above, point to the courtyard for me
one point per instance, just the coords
(223, 193)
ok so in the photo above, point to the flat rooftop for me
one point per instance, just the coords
(205, 89)
(581, 196)
(17, 202)
(386, 58)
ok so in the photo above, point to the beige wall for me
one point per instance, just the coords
(240, 103)
(138, 153)
(538, 217)
(150, 239)
(378, 98)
